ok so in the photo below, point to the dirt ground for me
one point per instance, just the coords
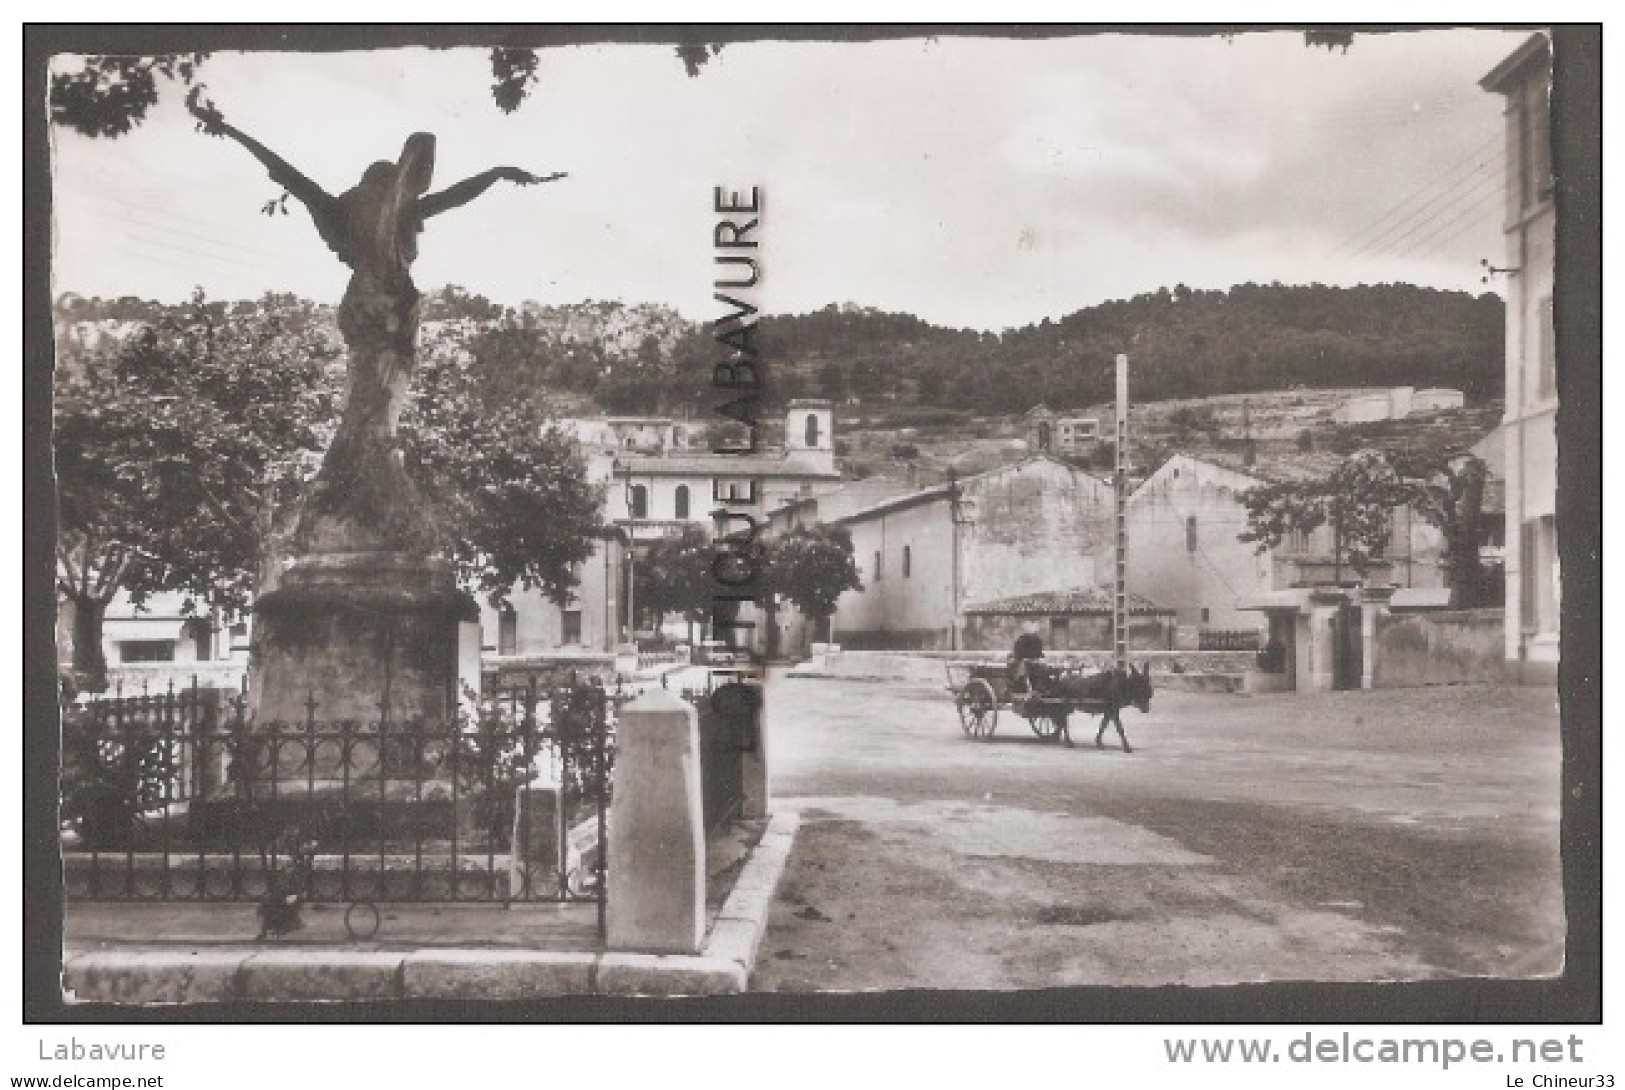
(1391, 835)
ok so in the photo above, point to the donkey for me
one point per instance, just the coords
(1106, 693)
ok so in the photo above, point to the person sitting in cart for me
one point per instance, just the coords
(1026, 660)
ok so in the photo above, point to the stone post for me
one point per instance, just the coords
(656, 829)
(1373, 603)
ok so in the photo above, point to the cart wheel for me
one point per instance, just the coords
(978, 709)
(1044, 725)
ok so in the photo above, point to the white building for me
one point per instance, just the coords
(1534, 583)
(657, 482)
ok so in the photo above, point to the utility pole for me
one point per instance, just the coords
(1120, 481)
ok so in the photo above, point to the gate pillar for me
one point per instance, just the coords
(656, 829)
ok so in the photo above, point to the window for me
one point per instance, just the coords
(811, 430)
(507, 631)
(879, 573)
(1057, 633)
(640, 501)
(1043, 435)
(1207, 614)
(1190, 534)
(570, 627)
(1538, 581)
(1534, 145)
(908, 561)
(1547, 382)
(681, 502)
(146, 651)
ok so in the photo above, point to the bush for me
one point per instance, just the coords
(110, 778)
(1271, 658)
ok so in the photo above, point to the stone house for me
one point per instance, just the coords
(1184, 549)
(924, 556)
(1048, 432)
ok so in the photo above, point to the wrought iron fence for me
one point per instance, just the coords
(1229, 639)
(183, 796)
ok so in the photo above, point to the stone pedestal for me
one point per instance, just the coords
(358, 649)
(366, 636)
(656, 837)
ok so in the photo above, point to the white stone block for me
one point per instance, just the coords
(656, 834)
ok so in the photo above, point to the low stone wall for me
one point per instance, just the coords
(1081, 632)
(908, 639)
(516, 671)
(1174, 670)
(1453, 647)
(157, 678)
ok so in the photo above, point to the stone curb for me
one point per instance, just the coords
(722, 967)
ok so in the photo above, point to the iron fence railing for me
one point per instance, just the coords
(1229, 639)
(184, 796)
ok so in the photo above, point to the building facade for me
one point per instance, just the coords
(160, 643)
(657, 480)
(1037, 525)
(1529, 425)
(1184, 547)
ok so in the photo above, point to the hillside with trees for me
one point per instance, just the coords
(632, 358)
(1183, 343)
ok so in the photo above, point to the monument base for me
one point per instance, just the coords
(351, 652)
(358, 636)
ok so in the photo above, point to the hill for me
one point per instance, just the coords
(1182, 343)
(641, 358)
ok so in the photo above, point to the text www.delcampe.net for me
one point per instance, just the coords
(1348, 1048)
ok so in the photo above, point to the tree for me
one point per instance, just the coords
(832, 381)
(508, 487)
(108, 96)
(812, 567)
(1356, 500)
(174, 451)
(675, 576)
(1447, 490)
(183, 453)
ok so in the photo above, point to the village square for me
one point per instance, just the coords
(412, 644)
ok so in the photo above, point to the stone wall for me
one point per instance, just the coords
(1446, 648)
(1081, 632)
(1169, 669)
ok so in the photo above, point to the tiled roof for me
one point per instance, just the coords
(895, 503)
(1081, 600)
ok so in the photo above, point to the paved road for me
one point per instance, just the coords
(1352, 836)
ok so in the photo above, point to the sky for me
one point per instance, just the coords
(976, 182)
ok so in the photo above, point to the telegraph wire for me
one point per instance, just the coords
(1416, 193)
